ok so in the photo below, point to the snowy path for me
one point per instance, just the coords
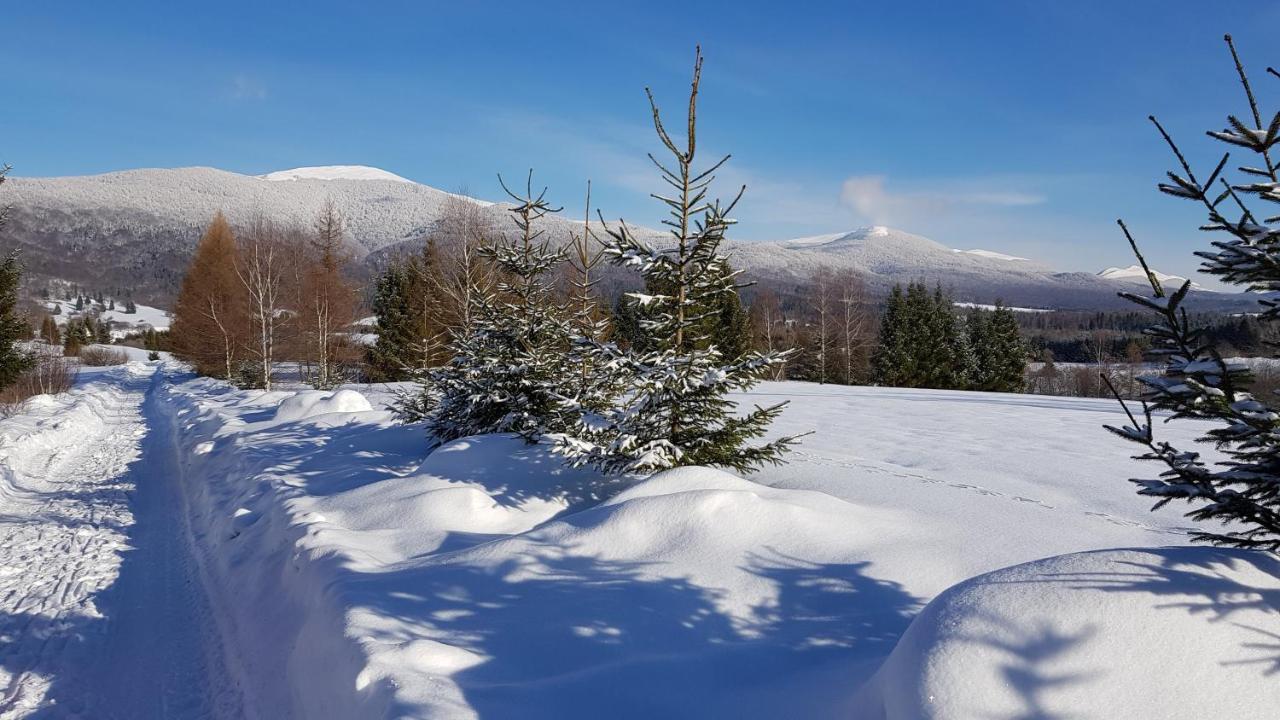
(102, 612)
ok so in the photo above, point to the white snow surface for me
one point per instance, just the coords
(1135, 274)
(299, 554)
(992, 254)
(364, 578)
(1113, 633)
(101, 612)
(145, 317)
(334, 172)
(983, 306)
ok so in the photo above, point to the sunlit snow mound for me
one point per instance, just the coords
(311, 403)
(1171, 633)
(740, 599)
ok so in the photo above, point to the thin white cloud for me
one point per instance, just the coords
(244, 87)
(870, 200)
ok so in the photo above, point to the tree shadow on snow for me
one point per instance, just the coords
(555, 633)
(1192, 575)
(1031, 657)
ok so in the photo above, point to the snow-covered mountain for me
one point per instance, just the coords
(1135, 274)
(136, 229)
(885, 256)
(335, 172)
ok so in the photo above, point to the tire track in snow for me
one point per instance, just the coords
(102, 612)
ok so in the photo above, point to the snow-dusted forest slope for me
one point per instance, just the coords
(136, 229)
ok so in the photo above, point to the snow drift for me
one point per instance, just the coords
(1177, 633)
(360, 577)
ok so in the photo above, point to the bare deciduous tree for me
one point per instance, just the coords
(329, 299)
(855, 320)
(262, 269)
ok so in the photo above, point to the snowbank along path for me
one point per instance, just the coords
(102, 611)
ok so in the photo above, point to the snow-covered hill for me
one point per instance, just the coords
(1135, 274)
(335, 172)
(136, 229)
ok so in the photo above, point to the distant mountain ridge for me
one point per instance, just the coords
(137, 228)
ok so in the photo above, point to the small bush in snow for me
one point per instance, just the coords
(95, 356)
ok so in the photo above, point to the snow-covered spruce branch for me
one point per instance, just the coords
(1243, 491)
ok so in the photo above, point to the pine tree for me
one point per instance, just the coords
(410, 313)
(102, 331)
(507, 372)
(1242, 492)
(75, 336)
(389, 359)
(923, 343)
(674, 410)
(890, 363)
(13, 328)
(13, 361)
(1000, 353)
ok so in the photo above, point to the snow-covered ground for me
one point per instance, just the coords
(895, 568)
(487, 581)
(146, 317)
(101, 612)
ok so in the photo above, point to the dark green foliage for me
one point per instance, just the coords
(1001, 356)
(388, 357)
(13, 327)
(724, 322)
(923, 342)
(674, 408)
(410, 333)
(510, 370)
(76, 335)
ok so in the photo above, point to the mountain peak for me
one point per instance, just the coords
(1135, 273)
(335, 172)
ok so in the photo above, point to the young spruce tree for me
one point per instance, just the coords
(509, 370)
(674, 408)
(1243, 491)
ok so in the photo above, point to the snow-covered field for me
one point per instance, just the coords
(146, 317)
(895, 568)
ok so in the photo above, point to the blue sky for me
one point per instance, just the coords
(1016, 126)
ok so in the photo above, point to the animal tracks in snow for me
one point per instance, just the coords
(879, 468)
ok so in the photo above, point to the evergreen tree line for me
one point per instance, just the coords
(262, 294)
(925, 343)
